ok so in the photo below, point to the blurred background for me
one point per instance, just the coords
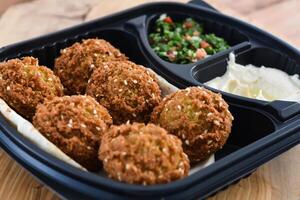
(24, 19)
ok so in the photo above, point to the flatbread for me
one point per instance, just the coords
(165, 87)
(26, 129)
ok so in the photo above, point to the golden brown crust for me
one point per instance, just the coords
(127, 90)
(140, 154)
(25, 84)
(77, 62)
(199, 117)
(75, 125)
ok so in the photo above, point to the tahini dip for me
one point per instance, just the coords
(257, 82)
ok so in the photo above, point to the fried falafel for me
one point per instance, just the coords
(75, 124)
(143, 154)
(128, 91)
(199, 117)
(76, 63)
(24, 84)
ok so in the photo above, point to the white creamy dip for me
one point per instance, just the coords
(257, 82)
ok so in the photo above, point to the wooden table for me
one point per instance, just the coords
(277, 179)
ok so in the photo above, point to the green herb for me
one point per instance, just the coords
(183, 42)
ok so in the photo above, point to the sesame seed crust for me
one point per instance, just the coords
(203, 122)
(70, 123)
(76, 63)
(123, 88)
(25, 84)
(143, 154)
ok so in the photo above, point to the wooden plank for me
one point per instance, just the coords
(41, 17)
(107, 7)
(278, 179)
(281, 19)
(245, 7)
(16, 183)
(4, 4)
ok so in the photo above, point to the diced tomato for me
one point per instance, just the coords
(171, 55)
(204, 44)
(200, 54)
(188, 25)
(168, 20)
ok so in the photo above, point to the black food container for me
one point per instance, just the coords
(261, 130)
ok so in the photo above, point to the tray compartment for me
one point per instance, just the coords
(255, 56)
(231, 35)
(269, 58)
(249, 125)
(258, 57)
(205, 73)
(123, 40)
(237, 40)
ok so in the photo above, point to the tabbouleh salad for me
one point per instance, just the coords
(183, 42)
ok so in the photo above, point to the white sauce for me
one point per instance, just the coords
(257, 82)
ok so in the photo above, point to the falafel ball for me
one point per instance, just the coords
(75, 124)
(199, 117)
(76, 63)
(127, 90)
(24, 84)
(143, 154)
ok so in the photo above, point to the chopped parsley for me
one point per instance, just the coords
(183, 42)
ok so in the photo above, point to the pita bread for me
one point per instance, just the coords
(25, 128)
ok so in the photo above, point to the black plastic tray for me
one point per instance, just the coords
(261, 130)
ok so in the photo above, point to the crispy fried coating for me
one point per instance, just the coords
(75, 125)
(199, 117)
(76, 63)
(143, 154)
(24, 84)
(127, 90)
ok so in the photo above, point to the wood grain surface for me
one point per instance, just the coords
(277, 179)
